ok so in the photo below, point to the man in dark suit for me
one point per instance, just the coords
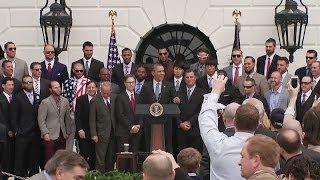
(305, 98)
(141, 75)
(104, 76)
(191, 98)
(120, 70)
(311, 57)
(267, 64)
(178, 73)
(1, 53)
(6, 99)
(128, 126)
(92, 66)
(206, 81)
(7, 68)
(40, 85)
(102, 127)
(163, 92)
(27, 130)
(86, 144)
(51, 69)
(3, 141)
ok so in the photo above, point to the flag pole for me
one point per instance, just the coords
(112, 15)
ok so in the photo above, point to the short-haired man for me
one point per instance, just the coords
(305, 97)
(199, 67)
(235, 70)
(166, 62)
(40, 85)
(178, 73)
(104, 76)
(224, 150)
(7, 69)
(64, 165)
(189, 160)
(315, 71)
(311, 57)
(282, 67)
(141, 75)
(267, 64)
(259, 157)
(20, 66)
(205, 82)
(91, 65)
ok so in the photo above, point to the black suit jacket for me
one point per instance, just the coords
(81, 115)
(25, 116)
(190, 109)
(94, 69)
(302, 109)
(44, 89)
(261, 61)
(147, 95)
(58, 72)
(6, 112)
(301, 72)
(125, 115)
(17, 85)
(118, 74)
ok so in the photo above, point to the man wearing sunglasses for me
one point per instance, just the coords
(20, 67)
(72, 89)
(235, 70)
(199, 67)
(166, 62)
(311, 57)
(305, 97)
(40, 85)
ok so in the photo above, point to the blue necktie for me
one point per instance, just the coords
(157, 91)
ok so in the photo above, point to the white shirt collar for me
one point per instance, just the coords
(47, 62)
(84, 60)
(129, 93)
(317, 80)
(175, 79)
(307, 93)
(192, 88)
(271, 57)
(234, 66)
(34, 79)
(155, 82)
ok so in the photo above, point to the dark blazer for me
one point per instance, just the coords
(302, 109)
(58, 72)
(17, 85)
(266, 132)
(147, 95)
(94, 69)
(26, 114)
(118, 74)
(182, 83)
(190, 109)
(261, 61)
(6, 109)
(81, 115)
(125, 115)
(301, 72)
(317, 88)
(44, 88)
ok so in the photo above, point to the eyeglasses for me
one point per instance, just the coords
(307, 57)
(39, 69)
(160, 54)
(50, 52)
(247, 87)
(12, 49)
(306, 83)
(27, 82)
(130, 82)
(79, 70)
(202, 57)
(236, 55)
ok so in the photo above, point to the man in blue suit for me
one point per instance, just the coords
(51, 69)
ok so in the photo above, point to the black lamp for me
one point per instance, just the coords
(291, 26)
(56, 25)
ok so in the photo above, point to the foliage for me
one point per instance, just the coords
(112, 175)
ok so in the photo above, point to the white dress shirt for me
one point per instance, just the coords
(51, 63)
(224, 151)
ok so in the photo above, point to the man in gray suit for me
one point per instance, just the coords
(235, 70)
(199, 67)
(54, 120)
(102, 127)
(277, 96)
(20, 67)
(282, 67)
(261, 84)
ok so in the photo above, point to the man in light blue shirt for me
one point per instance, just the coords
(225, 151)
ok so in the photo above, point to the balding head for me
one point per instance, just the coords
(289, 140)
(256, 103)
(158, 167)
(294, 125)
(229, 114)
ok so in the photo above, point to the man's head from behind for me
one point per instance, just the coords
(158, 167)
(247, 118)
(229, 114)
(290, 142)
(189, 159)
(66, 165)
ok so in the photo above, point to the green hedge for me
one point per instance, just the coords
(112, 175)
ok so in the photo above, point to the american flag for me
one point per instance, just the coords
(113, 54)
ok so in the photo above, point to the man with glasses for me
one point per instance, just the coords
(7, 69)
(235, 70)
(40, 85)
(166, 62)
(267, 64)
(311, 57)
(20, 67)
(305, 97)
(72, 89)
(105, 75)
(51, 69)
(199, 67)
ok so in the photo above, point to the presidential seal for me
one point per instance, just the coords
(156, 109)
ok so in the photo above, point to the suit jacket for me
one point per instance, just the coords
(125, 115)
(181, 86)
(147, 95)
(101, 119)
(261, 61)
(51, 119)
(228, 70)
(7, 110)
(118, 75)
(283, 100)
(81, 115)
(17, 85)
(21, 68)
(190, 109)
(114, 88)
(44, 88)
(302, 109)
(196, 67)
(94, 69)
(301, 72)
(58, 72)
(261, 83)
(26, 114)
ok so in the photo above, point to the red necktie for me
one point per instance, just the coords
(236, 75)
(49, 67)
(133, 102)
(268, 66)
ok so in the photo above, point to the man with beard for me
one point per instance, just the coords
(141, 75)
(166, 62)
(267, 64)
(54, 120)
(261, 85)
(311, 57)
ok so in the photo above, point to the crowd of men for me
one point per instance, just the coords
(47, 110)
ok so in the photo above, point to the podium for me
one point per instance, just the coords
(157, 114)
